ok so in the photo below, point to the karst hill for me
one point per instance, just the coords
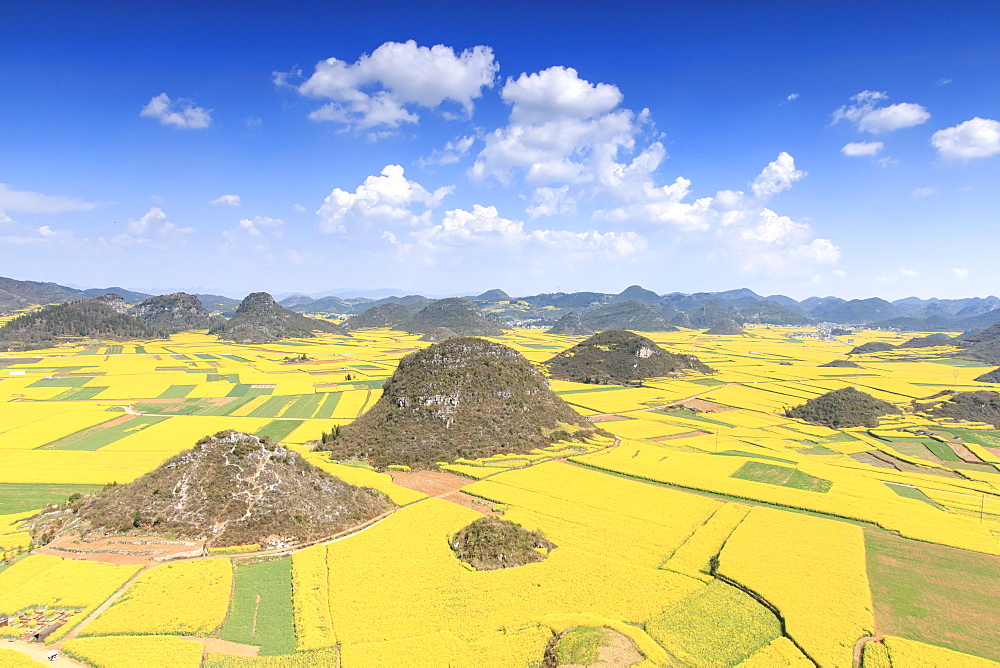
(619, 357)
(846, 407)
(232, 488)
(570, 325)
(459, 315)
(390, 314)
(176, 312)
(465, 397)
(259, 319)
(103, 317)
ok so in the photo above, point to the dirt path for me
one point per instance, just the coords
(101, 608)
(859, 648)
(40, 653)
(224, 646)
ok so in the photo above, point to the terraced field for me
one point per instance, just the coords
(708, 529)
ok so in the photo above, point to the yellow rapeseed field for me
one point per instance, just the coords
(311, 599)
(123, 651)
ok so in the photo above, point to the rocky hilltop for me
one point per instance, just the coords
(89, 318)
(459, 315)
(464, 397)
(619, 357)
(231, 488)
(259, 319)
(177, 312)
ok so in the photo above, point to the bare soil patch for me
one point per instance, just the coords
(431, 483)
(132, 550)
(688, 434)
(225, 647)
(964, 453)
(703, 405)
(606, 417)
(473, 503)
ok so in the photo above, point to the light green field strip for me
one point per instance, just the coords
(96, 438)
(176, 392)
(272, 407)
(304, 407)
(260, 612)
(21, 497)
(328, 406)
(278, 430)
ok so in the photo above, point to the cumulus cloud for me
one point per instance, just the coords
(860, 148)
(151, 229)
(397, 74)
(779, 175)
(254, 226)
(227, 200)
(180, 113)
(26, 201)
(551, 202)
(452, 152)
(960, 274)
(866, 112)
(792, 97)
(975, 138)
(386, 199)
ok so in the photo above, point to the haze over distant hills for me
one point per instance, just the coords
(700, 309)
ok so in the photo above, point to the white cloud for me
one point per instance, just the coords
(253, 226)
(557, 92)
(865, 112)
(388, 198)
(924, 191)
(299, 208)
(944, 81)
(26, 201)
(960, 274)
(227, 200)
(151, 229)
(551, 202)
(452, 152)
(859, 148)
(180, 113)
(792, 97)
(900, 274)
(975, 138)
(779, 175)
(774, 229)
(401, 74)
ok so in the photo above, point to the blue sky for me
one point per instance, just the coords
(848, 148)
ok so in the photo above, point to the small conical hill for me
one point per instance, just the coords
(234, 489)
(390, 314)
(438, 335)
(177, 312)
(725, 327)
(260, 319)
(457, 314)
(619, 357)
(465, 397)
(846, 407)
(570, 325)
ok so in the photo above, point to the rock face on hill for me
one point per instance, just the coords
(459, 315)
(90, 318)
(259, 319)
(113, 301)
(871, 347)
(232, 488)
(846, 407)
(628, 314)
(725, 327)
(570, 325)
(464, 397)
(383, 315)
(177, 312)
(619, 357)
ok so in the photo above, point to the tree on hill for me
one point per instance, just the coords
(628, 314)
(383, 315)
(570, 325)
(89, 318)
(465, 397)
(490, 543)
(846, 407)
(990, 376)
(980, 406)
(871, 347)
(620, 357)
(725, 327)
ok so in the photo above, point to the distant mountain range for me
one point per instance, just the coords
(675, 309)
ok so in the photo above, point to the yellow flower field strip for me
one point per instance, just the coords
(179, 433)
(161, 601)
(780, 652)
(61, 423)
(366, 478)
(46, 581)
(492, 613)
(352, 402)
(311, 599)
(813, 570)
(250, 406)
(75, 467)
(911, 653)
(123, 651)
(11, 658)
(912, 519)
(694, 555)
(640, 428)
